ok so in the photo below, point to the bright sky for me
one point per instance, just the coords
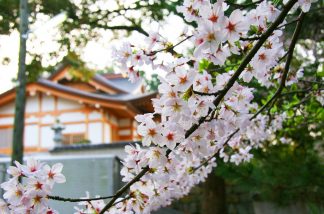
(97, 53)
(8, 48)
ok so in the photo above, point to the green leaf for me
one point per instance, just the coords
(203, 65)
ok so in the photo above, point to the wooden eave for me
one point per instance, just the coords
(131, 111)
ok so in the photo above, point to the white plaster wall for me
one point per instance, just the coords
(6, 121)
(47, 135)
(32, 104)
(31, 119)
(8, 109)
(74, 128)
(48, 103)
(63, 104)
(31, 136)
(95, 115)
(6, 138)
(72, 116)
(95, 132)
(107, 133)
(48, 119)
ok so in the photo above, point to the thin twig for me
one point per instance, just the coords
(223, 68)
(289, 23)
(122, 200)
(250, 38)
(169, 49)
(216, 153)
(313, 81)
(58, 198)
(242, 6)
(296, 92)
(304, 100)
(283, 57)
(206, 94)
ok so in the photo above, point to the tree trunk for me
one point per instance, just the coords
(19, 123)
(214, 195)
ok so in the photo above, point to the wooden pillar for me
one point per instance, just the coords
(55, 106)
(87, 123)
(40, 110)
(103, 126)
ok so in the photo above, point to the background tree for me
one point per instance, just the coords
(19, 123)
(88, 20)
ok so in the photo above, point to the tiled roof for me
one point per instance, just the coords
(114, 81)
(105, 97)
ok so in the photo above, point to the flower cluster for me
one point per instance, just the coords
(206, 109)
(30, 196)
(178, 155)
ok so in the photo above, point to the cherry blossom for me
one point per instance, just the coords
(28, 189)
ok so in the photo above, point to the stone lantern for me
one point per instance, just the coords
(58, 137)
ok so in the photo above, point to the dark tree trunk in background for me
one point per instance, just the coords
(214, 195)
(19, 123)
